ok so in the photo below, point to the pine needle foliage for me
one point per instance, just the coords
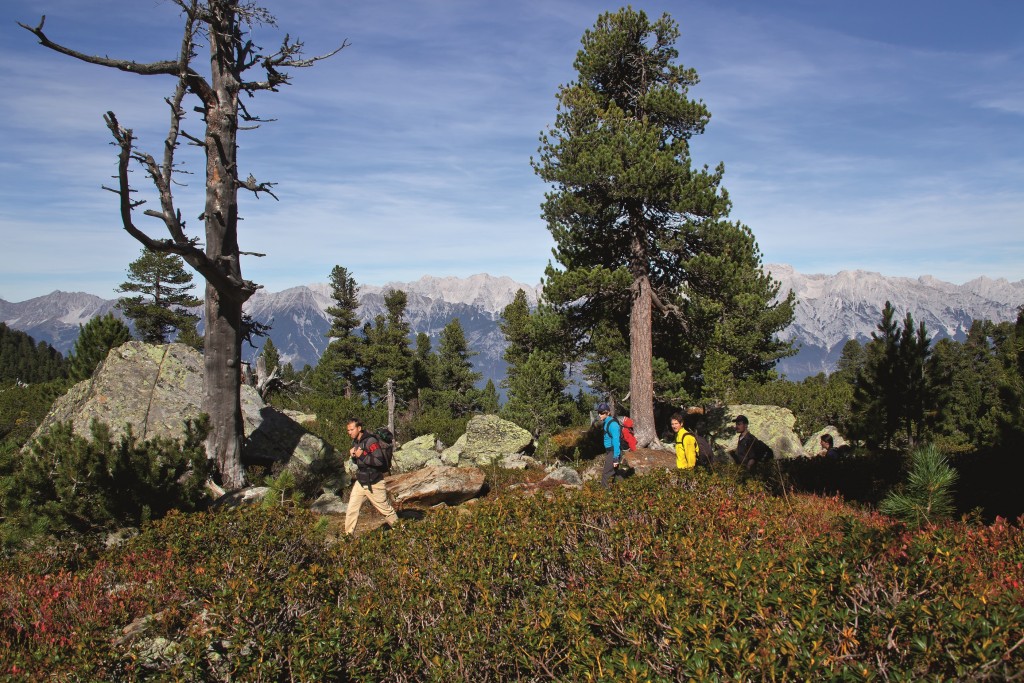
(68, 483)
(928, 494)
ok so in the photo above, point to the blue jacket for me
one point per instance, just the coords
(612, 436)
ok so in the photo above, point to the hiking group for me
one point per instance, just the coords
(691, 448)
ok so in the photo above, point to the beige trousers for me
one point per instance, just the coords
(378, 497)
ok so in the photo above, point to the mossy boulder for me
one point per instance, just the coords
(155, 388)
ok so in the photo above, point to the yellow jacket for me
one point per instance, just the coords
(686, 451)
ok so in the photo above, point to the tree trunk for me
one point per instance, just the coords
(222, 387)
(641, 351)
(222, 396)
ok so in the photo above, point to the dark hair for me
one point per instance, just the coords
(827, 438)
(355, 421)
(679, 417)
(742, 418)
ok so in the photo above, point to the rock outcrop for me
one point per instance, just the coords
(488, 438)
(155, 388)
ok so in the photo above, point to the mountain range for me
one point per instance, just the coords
(830, 310)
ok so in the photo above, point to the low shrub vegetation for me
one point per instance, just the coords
(702, 577)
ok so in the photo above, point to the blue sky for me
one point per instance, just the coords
(883, 136)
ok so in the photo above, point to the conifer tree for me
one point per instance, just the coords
(424, 364)
(490, 403)
(889, 394)
(189, 335)
(627, 210)
(21, 359)
(270, 355)
(95, 339)
(338, 366)
(163, 293)
(536, 377)
(455, 391)
(386, 353)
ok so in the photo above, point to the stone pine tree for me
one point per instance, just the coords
(386, 353)
(890, 391)
(626, 208)
(163, 293)
(424, 364)
(237, 69)
(95, 339)
(271, 356)
(536, 377)
(454, 393)
(339, 365)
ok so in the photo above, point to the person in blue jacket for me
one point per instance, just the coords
(611, 430)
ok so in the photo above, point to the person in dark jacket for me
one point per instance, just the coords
(750, 450)
(368, 455)
(828, 448)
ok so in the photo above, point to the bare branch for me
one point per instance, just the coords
(288, 56)
(165, 67)
(256, 187)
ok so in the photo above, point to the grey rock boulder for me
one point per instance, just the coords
(489, 438)
(155, 388)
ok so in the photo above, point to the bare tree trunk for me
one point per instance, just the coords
(641, 351)
(222, 387)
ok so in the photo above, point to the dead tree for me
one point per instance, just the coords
(223, 25)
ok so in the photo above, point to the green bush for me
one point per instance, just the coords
(667, 577)
(67, 483)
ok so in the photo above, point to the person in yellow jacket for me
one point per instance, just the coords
(686, 449)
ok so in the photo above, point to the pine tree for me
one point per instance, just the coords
(337, 369)
(455, 391)
(386, 353)
(188, 334)
(21, 359)
(490, 403)
(95, 340)
(237, 68)
(928, 494)
(629, 214)
(889, 393)
(270, 355)
(164, 291)
(536, 377)
(424, 364)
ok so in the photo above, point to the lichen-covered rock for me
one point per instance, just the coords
(489, 438)
(564, 475)
(451, 455)
(155, 388)
(415, 454)
(771, 424)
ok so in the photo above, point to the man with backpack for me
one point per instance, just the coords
(750, 450)
(611, 430)
(368, 454)
(686, 449)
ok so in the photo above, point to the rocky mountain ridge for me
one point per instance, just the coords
(831, 309)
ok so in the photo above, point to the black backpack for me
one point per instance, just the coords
(705, 453)
(386, 440)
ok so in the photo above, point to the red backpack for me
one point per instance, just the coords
(627, 433)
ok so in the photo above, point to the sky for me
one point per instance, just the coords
(885, 136)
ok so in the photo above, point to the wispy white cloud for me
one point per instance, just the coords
(408, 153)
